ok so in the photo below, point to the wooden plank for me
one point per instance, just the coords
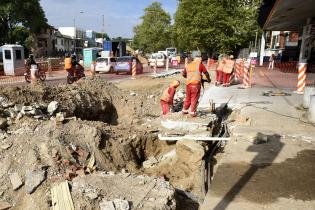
(61, 197)
(192, 138)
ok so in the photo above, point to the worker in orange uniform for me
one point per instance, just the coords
(167, 97)
(193, 74)
(219, 72)
(227, 70)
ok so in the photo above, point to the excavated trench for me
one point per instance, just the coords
(101, 131)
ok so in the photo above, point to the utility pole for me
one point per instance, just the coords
(75, 36)
(103, 29)
(256, 40)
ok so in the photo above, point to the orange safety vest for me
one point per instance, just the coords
(193, 73)
(68, 63)
(165, 95)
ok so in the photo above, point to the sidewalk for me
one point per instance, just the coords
(269, 164)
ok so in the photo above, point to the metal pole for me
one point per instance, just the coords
(75, 36)
(256, 40)
(103, 29)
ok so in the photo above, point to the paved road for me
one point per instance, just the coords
(59, 77)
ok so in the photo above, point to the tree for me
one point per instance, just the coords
(215, 25)
(14, 13)
(154, 33)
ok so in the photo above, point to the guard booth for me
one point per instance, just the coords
(13, 60)
(89, 56)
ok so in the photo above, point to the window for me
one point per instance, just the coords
(7, 54)
(18, 54)
(45, 43)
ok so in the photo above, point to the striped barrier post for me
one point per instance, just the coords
(92, 70)
(301, 78)
(134, 69)
(155, 66)
(242, 66)
(246, 74)
(238, 69)
(34, 70)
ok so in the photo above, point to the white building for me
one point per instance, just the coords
(77, 34)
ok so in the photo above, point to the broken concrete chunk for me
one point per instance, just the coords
(107, 205)
(18, 107)
(6, 145)
(133, 94)
(121, 204)
(3, 123)
(150, 162)
(91, 195)
(26, 109)
(33, 179)
(52, 107)
(4, 205)
(16, 181)
(60, 117)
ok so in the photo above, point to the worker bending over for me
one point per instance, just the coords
(193, 74)
(168, 97)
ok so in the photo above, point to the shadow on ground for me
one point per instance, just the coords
(263, 181)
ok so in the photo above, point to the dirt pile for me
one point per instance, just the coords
(55, 133)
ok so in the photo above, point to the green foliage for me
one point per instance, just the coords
(215, 25)
(102, 35)
(154, 33)
(14, 13)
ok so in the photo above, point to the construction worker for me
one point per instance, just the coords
(227, 70)
(167, 97)
(219, 72)
(193, 74)
(68, 64)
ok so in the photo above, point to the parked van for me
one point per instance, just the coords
(105, 64)
(159, 57)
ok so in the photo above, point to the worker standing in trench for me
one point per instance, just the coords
(193, 74)
(167, 97)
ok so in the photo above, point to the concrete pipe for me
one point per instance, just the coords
(311, 110)
(307, 96)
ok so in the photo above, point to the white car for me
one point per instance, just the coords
(105, 64)
(160, 60)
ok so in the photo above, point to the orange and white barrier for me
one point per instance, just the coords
(246, 76)
(34, 70)
(134, 70)
(155, 66)
(238, 71)
(301, 78)
(92, 69)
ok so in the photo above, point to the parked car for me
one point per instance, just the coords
(105, 64)
(159, 57)
(124, 64)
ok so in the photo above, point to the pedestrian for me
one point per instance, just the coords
(219, 72)
(227, 70)
(193, 74)
(167, 97)
(271, 61)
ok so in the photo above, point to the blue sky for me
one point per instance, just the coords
(120, 16)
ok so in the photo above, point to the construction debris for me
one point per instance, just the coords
(275, 93)
(4, 205)
(16, 181)
(33, 179)
(61, 197)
